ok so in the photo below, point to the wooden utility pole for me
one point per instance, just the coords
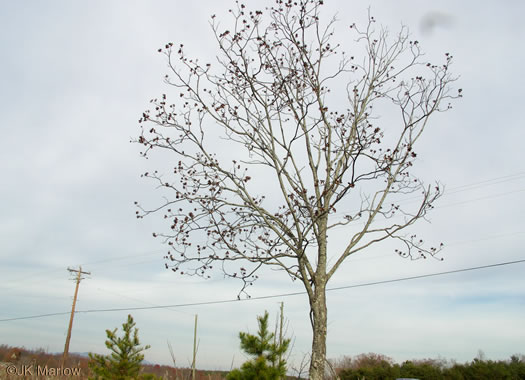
(278, 343)
(281, 328)
(281, 334)
(68, 338)
(194, 349)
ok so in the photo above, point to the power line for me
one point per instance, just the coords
(428, 275)
(447, 245)
(353, 259)
(459, 188)
(488, 182)
(475, 185)
(138, 300)
(462, 188)
(124, 257)
(481, 198)
(434, 208)
(275, 295)
(37, 316)
(489, 237)
(33, 277)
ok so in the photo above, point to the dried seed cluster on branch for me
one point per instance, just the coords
(267, 90)
(275, 138)
(296, 114)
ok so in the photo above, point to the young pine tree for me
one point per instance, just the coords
(126, 356)
(268, 362)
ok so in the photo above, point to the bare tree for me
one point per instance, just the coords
(278, 133)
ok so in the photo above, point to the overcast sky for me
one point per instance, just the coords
(75, 78)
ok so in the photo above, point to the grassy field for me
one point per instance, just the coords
(39, 364)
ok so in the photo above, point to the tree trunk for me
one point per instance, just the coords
(318, 314)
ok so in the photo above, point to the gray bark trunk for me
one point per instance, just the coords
(318, 311)
(319, 328)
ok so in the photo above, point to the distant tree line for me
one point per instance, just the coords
(380, 367)
(365, 366)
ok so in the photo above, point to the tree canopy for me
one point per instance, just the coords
(279, 142)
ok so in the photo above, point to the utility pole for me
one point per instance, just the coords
(281, 333)
(68, 338)
(194, 349)
(278, 343)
